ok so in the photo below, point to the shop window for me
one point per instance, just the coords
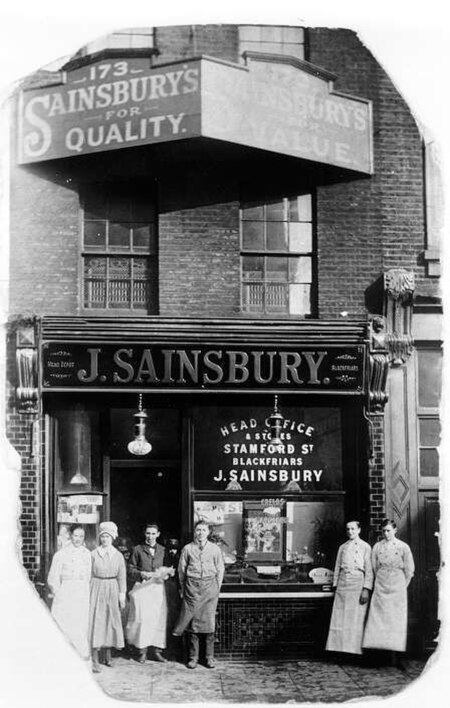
(119, 249)
(289, 41)
(277, 256)
(429, 391)
(276, 511)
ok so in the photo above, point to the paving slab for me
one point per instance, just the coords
(253, 681)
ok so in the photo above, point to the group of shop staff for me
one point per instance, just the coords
(89, 591)
(360, 620)
(90, 594)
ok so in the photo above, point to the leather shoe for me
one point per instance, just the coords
(192, 664)
(210, 663)
(142, 657)
(159, 657)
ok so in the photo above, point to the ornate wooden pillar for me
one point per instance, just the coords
(391, 407)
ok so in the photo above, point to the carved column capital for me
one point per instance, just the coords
(26, 366)
(399, 284)
(398, 303)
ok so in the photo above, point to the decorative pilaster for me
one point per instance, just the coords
(26, 367)
(398, 304)
(390, 335)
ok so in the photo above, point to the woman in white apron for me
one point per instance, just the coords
(68, 580)
(393, 567)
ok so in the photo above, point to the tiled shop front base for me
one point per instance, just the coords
(272, 627)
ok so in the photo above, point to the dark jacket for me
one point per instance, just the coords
(142, 559)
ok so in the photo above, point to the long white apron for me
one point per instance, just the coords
(388, 616)
(70, 609)
(348, 615)
(147, 615)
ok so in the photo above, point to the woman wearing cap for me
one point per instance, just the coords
(108, 588)
(68, 581)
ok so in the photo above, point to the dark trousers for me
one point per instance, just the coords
(194, 645)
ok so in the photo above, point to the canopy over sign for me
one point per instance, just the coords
(287, 108)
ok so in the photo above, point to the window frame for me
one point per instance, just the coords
(278, 253)
(150, 254)
(431, 413)
(265, 45)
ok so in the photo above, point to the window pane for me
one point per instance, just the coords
(429, 463)
(300, 270)
(141, 237)
(430, 430)
(293, 34)
(276, 297)
(254, 212)
(253, 297)
(430, 372)
(276, 236)
(95, 282)
(120, 267)
(277, 268)
(119, 236)
(300, 238)
(119, 287)
(275, 211)
(253, 235)
(95, 235)
(271, 33)
(253, 267)
(299, 299)
(300, 208)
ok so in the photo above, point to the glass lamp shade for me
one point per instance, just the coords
(139, 446)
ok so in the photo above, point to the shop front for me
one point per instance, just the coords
(257, 428)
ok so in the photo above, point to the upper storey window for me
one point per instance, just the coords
(289, 41)
(277, 256)
(119, 249)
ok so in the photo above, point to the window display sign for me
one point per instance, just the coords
(263, 531)
(233, 450)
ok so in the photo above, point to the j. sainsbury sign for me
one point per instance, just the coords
(109, 105)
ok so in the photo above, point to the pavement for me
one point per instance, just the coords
(251, 681)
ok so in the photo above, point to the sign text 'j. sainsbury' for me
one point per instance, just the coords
(102, 366)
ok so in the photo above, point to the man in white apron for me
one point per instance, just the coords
(147, 615)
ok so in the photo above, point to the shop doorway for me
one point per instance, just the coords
(140, 493)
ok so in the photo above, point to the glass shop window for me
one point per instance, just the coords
(119, 249)
(277, 256)
(276, 512)
(429, 395)
(288, 41)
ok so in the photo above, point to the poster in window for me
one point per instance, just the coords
(264, 536)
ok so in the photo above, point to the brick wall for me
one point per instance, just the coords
(371, 224)
(199, 261)
(44, 242)
(19, 428)
(377, 481)
(184, 41)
